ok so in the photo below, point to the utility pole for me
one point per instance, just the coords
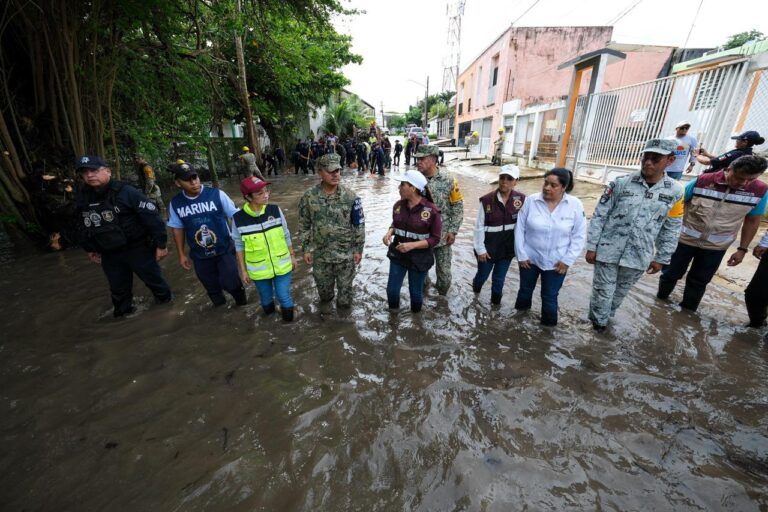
(383, 121)
(426, 95)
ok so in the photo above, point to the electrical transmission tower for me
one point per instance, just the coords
(454, 10)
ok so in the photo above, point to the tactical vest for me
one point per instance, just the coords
(266, 250)
(500, 222)
(205, 223)
(102, 224)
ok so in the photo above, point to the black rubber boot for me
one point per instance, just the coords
(476, 288)
(495, 299)
(416, 307)
(268, 309)
(665, 289)
(240, 297)
(217, 299)
(692, 298)
(287, 314)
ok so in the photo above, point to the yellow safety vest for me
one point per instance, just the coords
(266, 251)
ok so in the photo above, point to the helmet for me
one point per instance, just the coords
(246, 148)
(475, 134)
(179, 161)
(501, 129)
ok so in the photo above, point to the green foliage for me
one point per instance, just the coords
(439, 110)
(396, 122)
(415, 113)
(341, 117)
(743, 38)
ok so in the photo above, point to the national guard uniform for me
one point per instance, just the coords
(248, 161)
(146, 178)
(124, 227)
(332, 229)
(631, 219)
(446, 195)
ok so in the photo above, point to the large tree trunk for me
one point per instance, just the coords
(250, 126)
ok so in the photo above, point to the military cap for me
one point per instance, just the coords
(329, 162)
(427, 150)
(660, 146)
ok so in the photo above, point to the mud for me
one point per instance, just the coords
(463, 407)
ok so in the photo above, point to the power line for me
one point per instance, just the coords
(624, 13)
(693, 23)
(526, 12)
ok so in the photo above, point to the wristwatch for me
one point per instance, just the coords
(742, 249)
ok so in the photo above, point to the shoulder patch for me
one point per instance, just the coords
(456, 194)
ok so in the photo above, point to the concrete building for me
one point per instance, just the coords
(517, 84)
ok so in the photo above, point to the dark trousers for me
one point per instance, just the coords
(416, 280)
(551, 282)
(219, 274)
(756, 295)
(485, 269)
(703, 263)
(407, 158)
(119, 268)
(397, 159)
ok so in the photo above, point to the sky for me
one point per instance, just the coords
(404, 41)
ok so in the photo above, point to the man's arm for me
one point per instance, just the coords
(148, 216)
(358, 227)
(666, 239)
(600, 216)
(455, 214)
(304, 233)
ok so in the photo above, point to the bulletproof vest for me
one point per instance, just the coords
(205, 223)
(102, 224)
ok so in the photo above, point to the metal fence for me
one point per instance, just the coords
(611, 127)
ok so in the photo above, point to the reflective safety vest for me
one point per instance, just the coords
(266, 251)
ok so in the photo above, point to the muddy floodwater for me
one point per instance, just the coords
(463, 407)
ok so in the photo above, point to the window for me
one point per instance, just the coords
(479, 80)
(469, 105)
(492, 79)
(708, 90)
(461, 98)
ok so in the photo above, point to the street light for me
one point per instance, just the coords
(426, 95)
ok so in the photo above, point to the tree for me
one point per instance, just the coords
(341, 117)
(415, 113)
(743, 38)
(396, 121)
(439, 110)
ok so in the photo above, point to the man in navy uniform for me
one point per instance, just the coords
(122, 230)
(201, 215)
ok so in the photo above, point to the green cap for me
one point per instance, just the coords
(660, 146)
(329, 162)
(426, 150)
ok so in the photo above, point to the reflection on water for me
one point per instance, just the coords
(464, 407)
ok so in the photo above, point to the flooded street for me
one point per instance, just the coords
(463, 407)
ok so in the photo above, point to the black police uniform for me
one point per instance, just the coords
(724, 160)
(122, 225)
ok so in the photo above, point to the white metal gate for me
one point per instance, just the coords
(611, 127)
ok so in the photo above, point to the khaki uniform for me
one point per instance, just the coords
(148, 186)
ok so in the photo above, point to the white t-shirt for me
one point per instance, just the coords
(684, 153)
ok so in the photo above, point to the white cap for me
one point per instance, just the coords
(682, 123)
(510, 170)
(415, 178)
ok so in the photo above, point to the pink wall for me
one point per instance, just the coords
(639, 66)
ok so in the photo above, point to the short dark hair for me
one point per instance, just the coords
(563, 175)
(749, 164)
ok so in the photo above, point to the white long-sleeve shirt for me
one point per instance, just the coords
(763, 241)
(545, 237)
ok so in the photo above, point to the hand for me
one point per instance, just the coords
(184, 262)
(94, 257)
(308, 258)
(293, 262)
(654, 267)
(736, 258)
(561, 268)
(387, 239)
(244, 278)
(404, 247)
(450, 238)
(689, 169)
(591, 257)
(526, 264)
(483, 257)
(758, 251)
(357, 258)
(161, 253)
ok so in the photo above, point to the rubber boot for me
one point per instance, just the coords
(665, 289)
(476, 288)
(495, 298)
(416, 307)
(287, 314)
(269, 309)
(240, 298)
(756, 315)
(692, 298)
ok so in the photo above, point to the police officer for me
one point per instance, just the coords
(147, 185)
(121, 230)
(744, 144)
(248, 163)
(637, 213)
(201, 215)
(332, 233)
(449, 200)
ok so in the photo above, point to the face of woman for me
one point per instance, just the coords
(506, 184)
(260, 197)
(552, 188)
(406, 190)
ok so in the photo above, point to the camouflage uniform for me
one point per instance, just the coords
(147, 185)
(448, 198)
(630, 220)
(332, 229)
